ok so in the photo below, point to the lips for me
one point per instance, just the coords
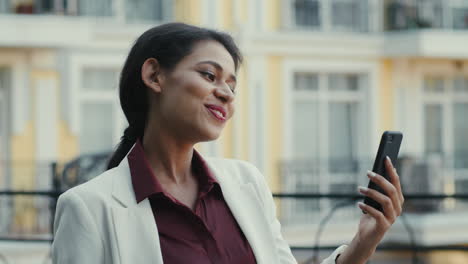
(217, 111)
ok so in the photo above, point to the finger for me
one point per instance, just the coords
(394, 178)
(389, 189)
(390, 210)
(376, 214)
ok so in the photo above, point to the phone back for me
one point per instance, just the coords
(389, 146)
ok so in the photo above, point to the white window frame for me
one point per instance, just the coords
(258, 136)
(81, 61)
(4, 140)
(369, 69)
(450, 173)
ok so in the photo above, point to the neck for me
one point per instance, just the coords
(167, 156)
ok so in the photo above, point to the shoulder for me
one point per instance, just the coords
(95, 191)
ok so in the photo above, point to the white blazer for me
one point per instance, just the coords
(100, 221)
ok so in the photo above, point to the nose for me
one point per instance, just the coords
(224, 93)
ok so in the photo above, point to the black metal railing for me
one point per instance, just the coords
(80, 170)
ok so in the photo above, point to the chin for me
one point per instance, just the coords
(211, 135)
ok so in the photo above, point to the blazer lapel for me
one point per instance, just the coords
(246, 207)
(134, 226)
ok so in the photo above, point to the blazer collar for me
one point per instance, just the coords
(122, 189)
(135, 229)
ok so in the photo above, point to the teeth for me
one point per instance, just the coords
(218, 113)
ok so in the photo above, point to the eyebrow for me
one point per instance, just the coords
(217, 66)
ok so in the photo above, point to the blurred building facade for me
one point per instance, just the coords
(322, 79)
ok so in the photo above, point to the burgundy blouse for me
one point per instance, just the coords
(208, 234)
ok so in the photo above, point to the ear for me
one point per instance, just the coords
(151, 74)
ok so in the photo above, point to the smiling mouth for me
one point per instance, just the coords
(217, 113)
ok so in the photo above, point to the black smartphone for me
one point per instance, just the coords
(389, 146)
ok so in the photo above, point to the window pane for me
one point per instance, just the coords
(343, 82)
(307, 13)
(350, 15)
(144, 10)
(95, 8)
(433, 128)
(461, 186)
(305, 130)
(460, 18)
(460, 130)
(97, 126)
(306, 81)
(2, 142)
(342, 122)
(434, 84)
(460, 85)
(99, 79)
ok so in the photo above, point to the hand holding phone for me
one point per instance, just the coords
(389, 146)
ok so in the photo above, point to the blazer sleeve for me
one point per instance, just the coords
(282, 247)
(76, 236)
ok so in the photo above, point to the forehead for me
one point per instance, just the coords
(211, 50)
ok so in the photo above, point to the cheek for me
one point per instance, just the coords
(232, 110)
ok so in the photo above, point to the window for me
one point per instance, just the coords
(328, 123)
(307, 13)
(147, 10)
(433, 128)
(460, 17)
(99, 110)
(460, 135)
(347, 15)
(102, 8)
(445, 126)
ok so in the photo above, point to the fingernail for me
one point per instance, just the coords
(363, 189)
(370, 174)
(389, 160)
(360, 204)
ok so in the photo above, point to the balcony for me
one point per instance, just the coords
(52, 23)
(429, 28)
(427, 14)
(434, 220)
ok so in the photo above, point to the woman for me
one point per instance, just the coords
(160, 201)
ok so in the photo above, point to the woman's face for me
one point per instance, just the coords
(197, 96)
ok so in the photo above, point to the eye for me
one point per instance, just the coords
(208, 75)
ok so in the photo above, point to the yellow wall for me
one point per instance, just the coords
(449, 257)
(273, 14)
(67, 143)
(188, 11)
(244, 9)
(386, 97)
(227, 14)
(23, 157)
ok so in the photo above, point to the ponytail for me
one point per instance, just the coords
(126, 143)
